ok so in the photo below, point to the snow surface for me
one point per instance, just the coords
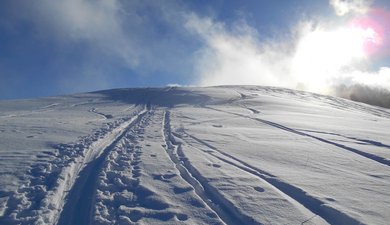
(217, 155)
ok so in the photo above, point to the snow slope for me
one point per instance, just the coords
(216, 155)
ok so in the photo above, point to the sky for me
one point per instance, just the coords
(60, 47)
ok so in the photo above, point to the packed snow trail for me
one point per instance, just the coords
(58, 176)
(139, 183)
(79, 202)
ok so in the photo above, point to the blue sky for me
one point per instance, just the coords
(58, 47)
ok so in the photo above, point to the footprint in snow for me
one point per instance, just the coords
(214, 165)
(180, 190)
(164, 177)
(330, 199)
(181, 217)
(259, 189)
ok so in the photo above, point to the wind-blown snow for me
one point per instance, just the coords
(217, 155)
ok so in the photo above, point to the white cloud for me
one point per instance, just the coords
(237, 57)
(120, 31)
(97, 23)
(380, 78)
(314, 58)
(106, 37)
(344, 7)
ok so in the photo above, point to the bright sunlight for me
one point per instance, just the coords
(322, 53)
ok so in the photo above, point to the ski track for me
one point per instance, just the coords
(240, 165)
(124, 194)
(40, 200)
(78, 208)
(225, 209)
(335, 102)
(367, 155)
(290, 192)
(206, 192)
(77, 186)
(105, 116)
(362, 141)
(120, 176)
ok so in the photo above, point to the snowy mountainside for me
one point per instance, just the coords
(181, 155)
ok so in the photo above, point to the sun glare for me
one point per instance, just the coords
(322, 53)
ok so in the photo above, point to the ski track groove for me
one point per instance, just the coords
(245, 217)
(336, 102)
(209, 195)
(316, 206)
(366, 155)
(132, 155)
(72, 213)
(105, 116)
(264, 176)
(365, 141)
(298, 195)
(30, 206)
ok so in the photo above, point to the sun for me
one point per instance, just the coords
(321, 53)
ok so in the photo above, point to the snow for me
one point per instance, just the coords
(215, 155)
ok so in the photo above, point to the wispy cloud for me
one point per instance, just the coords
(344, 7)
(96, 23)
(236, 56)
(155, 37)
(107, 38)
(315, 56)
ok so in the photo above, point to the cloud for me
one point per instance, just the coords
(95, 23)
(363, 93)
(236, 56)
(143, 35)
(103, 42)
(344, 7)
(149, 37)
(79, 41)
